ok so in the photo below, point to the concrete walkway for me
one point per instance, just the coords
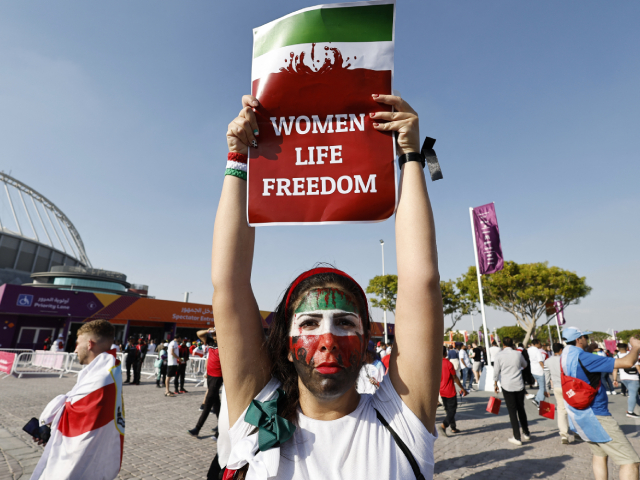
(157, 445)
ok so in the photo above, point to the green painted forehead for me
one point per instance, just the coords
(327, 299)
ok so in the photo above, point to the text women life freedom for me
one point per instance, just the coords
(317, 155)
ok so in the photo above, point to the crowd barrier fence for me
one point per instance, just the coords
(42, 362)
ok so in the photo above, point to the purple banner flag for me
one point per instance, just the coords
(559, 313)
(615, 335)
(485, 225)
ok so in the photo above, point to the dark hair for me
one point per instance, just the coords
(444, 351)
(557, 347)
(507, 342)
(535, 341)
(623, 345)
(572, 342)
(521, 345)
(277, 344)
(494, 344)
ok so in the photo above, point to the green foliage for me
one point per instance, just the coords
(625, 335)
(516, 333)
(599, 336)
(454, 303)
(385, 289)
(542, 333)
(523, 290)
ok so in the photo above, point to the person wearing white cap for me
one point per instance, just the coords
(587, 404)
(58, 344)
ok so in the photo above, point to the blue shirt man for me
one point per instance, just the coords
(594, 423)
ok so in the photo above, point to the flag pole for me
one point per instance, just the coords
(484, 320)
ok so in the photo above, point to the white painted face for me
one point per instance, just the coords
(320, 322)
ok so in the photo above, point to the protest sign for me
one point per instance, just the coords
(319, 159)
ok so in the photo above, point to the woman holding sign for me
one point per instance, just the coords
(293, 407)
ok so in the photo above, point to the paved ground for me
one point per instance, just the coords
(157, 445)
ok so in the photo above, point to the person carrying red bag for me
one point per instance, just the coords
(587, 404)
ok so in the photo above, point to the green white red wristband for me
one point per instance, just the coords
(237, 165)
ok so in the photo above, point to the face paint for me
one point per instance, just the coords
(326, 338)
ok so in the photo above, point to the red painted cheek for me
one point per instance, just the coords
(304, 347)
(347, 351)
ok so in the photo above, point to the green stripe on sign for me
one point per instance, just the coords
(373, 23)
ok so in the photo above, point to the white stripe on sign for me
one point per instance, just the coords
(327, 324)
(370, 55)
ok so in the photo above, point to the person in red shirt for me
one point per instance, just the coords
(214, 382)
(448, 394)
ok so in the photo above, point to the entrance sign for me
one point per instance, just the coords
(319, 159)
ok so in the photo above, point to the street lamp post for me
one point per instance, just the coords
(384, 310)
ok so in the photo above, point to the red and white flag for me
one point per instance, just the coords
(87, 426)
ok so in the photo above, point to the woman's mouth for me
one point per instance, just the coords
(328, 368)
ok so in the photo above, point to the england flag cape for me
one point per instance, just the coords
(87, 426)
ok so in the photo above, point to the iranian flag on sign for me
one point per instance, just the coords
(319, 159)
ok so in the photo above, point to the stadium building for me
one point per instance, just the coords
(49, 287)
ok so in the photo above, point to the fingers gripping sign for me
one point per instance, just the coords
(403, 120)
(242, 131)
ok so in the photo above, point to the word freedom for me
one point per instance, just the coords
(318, 185)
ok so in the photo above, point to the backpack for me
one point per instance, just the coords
(577, 393)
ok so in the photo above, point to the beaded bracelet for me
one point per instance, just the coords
(237, 165)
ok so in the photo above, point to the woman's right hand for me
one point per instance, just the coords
(243, 129)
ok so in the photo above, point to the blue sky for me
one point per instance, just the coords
(117, 112)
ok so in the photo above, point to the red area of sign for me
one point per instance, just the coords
(298, 90)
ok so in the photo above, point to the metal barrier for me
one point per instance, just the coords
(147, 365)
(40, 362)
(73, 365)
(196, 371)
(16, 350)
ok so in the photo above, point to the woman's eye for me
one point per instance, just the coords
(309, 323)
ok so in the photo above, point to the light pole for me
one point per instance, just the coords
(384, 310)
(186, 297)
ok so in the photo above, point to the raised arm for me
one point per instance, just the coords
(629, 360)
(245, 364)
(415, 364)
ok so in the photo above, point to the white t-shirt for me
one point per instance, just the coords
(624, 375)
(493, 351)
(535, 357)
(354, 446)
(364, 385)
(171, 360)
(464, 356)
(151, 348)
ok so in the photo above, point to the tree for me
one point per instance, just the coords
(625, 335)
(599, 337)
(455, 304)
(516, 333)
(524, 289)
(386, 288)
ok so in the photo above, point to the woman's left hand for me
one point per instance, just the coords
(404, 121)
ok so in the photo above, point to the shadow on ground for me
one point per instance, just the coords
(524, 469)
(479, 459)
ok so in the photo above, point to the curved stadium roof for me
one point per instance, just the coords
(35, 235)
